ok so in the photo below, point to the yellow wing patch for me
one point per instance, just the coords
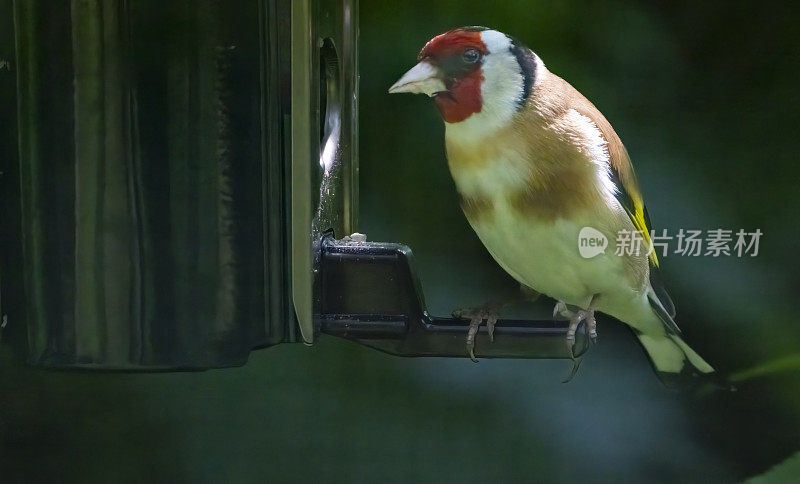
(638, 219)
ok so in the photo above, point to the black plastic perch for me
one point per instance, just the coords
(369, 294)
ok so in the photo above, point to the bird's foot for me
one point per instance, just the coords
(489, 312)
(576, 317)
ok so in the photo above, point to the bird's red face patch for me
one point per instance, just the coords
(459, 54)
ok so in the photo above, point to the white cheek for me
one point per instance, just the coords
(501, 91)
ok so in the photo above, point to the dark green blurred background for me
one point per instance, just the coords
(704, 96)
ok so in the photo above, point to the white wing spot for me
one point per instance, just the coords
(590, 142)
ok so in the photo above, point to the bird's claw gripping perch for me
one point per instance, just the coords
(489, 313)
(576, 318)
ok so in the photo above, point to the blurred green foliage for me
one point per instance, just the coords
(703, 94)
(786, 471)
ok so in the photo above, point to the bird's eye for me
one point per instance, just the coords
(471, 56)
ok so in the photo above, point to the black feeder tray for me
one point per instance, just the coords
(369, 293)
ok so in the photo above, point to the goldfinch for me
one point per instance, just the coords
(534, 163)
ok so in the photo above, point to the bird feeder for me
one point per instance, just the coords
(182, 182)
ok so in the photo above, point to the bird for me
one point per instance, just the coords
(535, 163)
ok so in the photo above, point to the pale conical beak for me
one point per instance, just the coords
(423, 78)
